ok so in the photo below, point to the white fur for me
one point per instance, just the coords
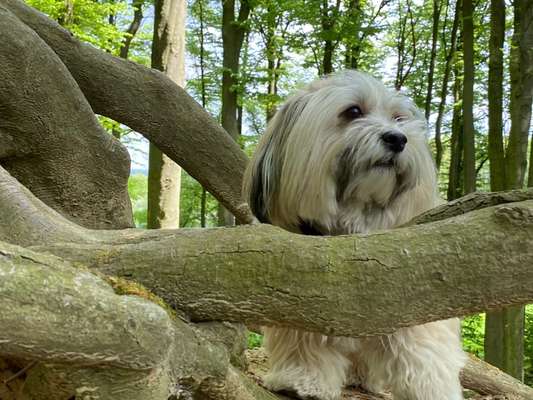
(314, 165)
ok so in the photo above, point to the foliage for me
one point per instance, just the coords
(86, 19)
(123, 286)
(528, 346)
(190, 198)
(138, 190)
(473, 333)
(254, 340)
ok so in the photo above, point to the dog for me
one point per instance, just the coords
(346, 155)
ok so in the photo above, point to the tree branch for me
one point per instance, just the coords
(150, 103)
(91, 339)
(264, 275)
(472, 202)
(485, 379)
(51, 139)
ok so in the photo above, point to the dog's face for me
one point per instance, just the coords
(341, 146)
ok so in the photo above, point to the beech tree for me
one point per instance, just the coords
(94, 309)
(168, 55)
(504, 337)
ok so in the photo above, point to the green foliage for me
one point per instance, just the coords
(190, 199)
(138, 190)
(86, 19)
(528, 346)
(254, 340)
(473, 333)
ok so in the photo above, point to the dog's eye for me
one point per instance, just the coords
(400, 118)
(353, 112)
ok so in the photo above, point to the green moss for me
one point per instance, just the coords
(123, 286)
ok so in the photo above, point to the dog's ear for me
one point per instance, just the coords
(262, 179)
(258, 192)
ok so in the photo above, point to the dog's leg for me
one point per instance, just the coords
(418, 363)
(309, 364)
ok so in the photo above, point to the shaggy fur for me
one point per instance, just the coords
(323, 168)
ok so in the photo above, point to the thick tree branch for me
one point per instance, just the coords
(62, 300)
(344, 285)
(50, 138)
(149, 103)
(471, 202)
(485, 379)
(114, 347)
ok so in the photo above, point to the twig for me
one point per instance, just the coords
(19, 373)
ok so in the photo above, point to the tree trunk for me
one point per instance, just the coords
(444, 89)
(168, 56)
(233, 30)
(133, 28)
(273, 57)
(521, 93)
(495, 346)
(455, 187)
(437, 7)
(530, 173)
(504, 340)
(495, 96)
(505, 329)
(203, 199)
(353, 47)
(328, 20)
(469, 156)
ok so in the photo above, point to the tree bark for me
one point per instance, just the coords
(329, 288)
(530, 173)
(469, 156)
(495, 96)
(92, 343)
(488, 380)
(495, 332)
(133, 28)
(504, 340)
(444, 89)
(168, 56)
(150, 103)
(437, 7)
(51, 140)
(521, 72)
(233, 31)
(456, 142)
(472, 202)
(505, 330)
(320, 284)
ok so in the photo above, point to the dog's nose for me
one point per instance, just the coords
(394, 140)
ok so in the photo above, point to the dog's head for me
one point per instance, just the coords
(343, 144)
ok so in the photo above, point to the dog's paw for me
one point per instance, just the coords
(307, 387)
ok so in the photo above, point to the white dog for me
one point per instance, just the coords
(346, 155)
